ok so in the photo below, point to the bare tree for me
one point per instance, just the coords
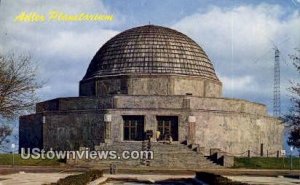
(293, 116)
(18, 84)
(5, 131)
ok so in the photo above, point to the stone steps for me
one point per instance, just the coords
(156, 147)
(168, 156)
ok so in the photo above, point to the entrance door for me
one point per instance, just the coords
(167, 126)
(133, 128)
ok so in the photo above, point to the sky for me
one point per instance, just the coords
(239, 37)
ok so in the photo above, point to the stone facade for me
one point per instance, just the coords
(151, 85)
(232, 125)
(163, 81)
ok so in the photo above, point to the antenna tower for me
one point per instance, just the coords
(276, 90)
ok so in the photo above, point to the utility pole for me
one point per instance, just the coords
(276, 88)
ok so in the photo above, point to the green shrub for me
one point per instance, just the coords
(80, 179)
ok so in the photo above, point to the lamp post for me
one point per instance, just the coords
(291, 165)
(13, 146)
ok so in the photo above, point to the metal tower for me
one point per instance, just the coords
(276, 90)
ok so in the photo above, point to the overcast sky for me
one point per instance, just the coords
(238, 36)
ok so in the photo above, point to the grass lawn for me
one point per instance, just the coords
(266, 163)
(7, 159)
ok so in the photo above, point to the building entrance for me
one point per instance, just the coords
(168, 127)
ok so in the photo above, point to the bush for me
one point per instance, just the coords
(80, 179)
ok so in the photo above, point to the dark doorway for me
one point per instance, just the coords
(167, 126)
(133, 128)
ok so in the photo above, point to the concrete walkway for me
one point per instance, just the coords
(138, 177)
(150, 178)
(46, 178)
(40, 175)
(32, 178)
(265, 180)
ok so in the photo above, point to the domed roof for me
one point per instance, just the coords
(150, 50)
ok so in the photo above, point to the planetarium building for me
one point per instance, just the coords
(151, 82)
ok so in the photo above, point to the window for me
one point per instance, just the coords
(167, 126)
(133, 128)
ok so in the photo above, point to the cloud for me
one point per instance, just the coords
(64, 59)
(239, 83)
(61, 50)
(240, 40)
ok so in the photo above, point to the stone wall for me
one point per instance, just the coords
(189, 102)
(194, 86)
(227, 105)
(151, 85)
(232, 125)
(236, 133)
(75, 103)
(212, 89)
(87, 88)
(231, 132)
(31, 131)
(153, 102)
(73, 129)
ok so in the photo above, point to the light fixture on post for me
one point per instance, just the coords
(13, 146)
(291, 165)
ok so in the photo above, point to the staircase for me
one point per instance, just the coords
(179, 156)
(165, 156)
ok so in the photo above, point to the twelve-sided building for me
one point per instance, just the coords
(151, 79)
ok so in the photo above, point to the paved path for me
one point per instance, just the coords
(115, 179)
(46, 178)
(265, 180)
(31, 178)
(40, 175)
(150, 178)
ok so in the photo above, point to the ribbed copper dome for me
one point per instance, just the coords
(150, 50)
